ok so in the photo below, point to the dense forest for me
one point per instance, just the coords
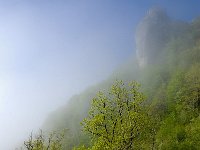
(152, 101)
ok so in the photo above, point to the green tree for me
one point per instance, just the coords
(118, 120)
(43, 142)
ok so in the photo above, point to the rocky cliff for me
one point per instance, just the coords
(153, 33)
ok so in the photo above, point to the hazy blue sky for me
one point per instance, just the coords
(52, 49)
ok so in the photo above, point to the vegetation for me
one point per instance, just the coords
(163, 114)
(116, 120)
(42, 142)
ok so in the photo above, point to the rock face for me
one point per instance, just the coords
(152, 34)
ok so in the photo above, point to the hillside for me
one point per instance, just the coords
(168, 67)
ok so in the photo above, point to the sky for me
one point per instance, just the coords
(53, 49)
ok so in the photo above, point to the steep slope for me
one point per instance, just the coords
(153, 33)
(164, 47)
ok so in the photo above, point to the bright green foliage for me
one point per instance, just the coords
(118, 120)
(193, 130)
(180, 128)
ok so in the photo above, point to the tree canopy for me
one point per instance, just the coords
(117, 119)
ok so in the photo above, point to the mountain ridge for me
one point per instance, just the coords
(162, 47)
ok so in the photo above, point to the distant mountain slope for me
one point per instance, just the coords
(153, 33)
(163, 46)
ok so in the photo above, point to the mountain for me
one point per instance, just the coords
(167, 51)
(153, 33)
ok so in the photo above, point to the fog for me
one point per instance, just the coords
(51, 50)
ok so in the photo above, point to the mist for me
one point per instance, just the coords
(52, 50)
